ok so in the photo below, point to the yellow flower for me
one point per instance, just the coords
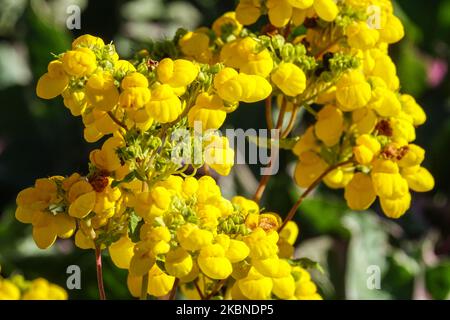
(143, 259)
(227, 20)
(159, 283)
(403, 130)
(34, 205)
(413, 157)
(213, 262)
(244, 205)
(164, 105)
(396, 207)
(352, 91)
(134, 98)
(290, 232)
(393, 30)
(8, 290)
(248, 12)
(245, 55)
(75, 101)
(329, 125)
(309, 167)
(52, 83)
(178, 73)
(384, 68)
(361, 36)
(326, 9)
(262, 245)
(359, 193)
(196, 46)
(234, 87)
(367, 147)
(82, 241)
(79, 62)
(272, 267)
(290, 79)
(88, 41)
(419, 179)
(82, 199)
(364, 120)
(193, 238)
(122, 67)
(178, 263)
(207, 189)
(411, 108)
(218, 155)
(339, 177)
(209, 110)
(284, 288)
(107, 158)
(121, 252)
(385, 102)
(307, 142)
(135, 92)
(235, 250)
(287, 239)
(301, 4)
(280, 12)
(41, 289)
(101, 91)
(255, 286)
(305, 288)
(153, 203)
(387, 181)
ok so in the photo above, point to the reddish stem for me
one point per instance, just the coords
(98, 263)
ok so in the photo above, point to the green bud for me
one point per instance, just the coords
(278, 42)
(288, 52)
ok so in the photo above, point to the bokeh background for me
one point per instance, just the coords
(39, 138)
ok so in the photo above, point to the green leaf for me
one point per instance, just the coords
(400, 276)
(134, 226)
(438, 280)
(307, 263)
(366, 256)
(130, 177)
(323, 215)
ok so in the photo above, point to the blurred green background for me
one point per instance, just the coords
(39, 138)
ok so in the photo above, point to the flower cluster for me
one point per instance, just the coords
(17, 288)
(193, 234)
(144, 198)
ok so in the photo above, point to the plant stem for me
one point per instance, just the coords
(265, 179)
(291, 124)
(174, 290)
(261, 187)
(117, 121)
(144, 287)
(216, 289)
(98, 263)
(316, 182)
(269, 119)
(282, 114)
(199, 291)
